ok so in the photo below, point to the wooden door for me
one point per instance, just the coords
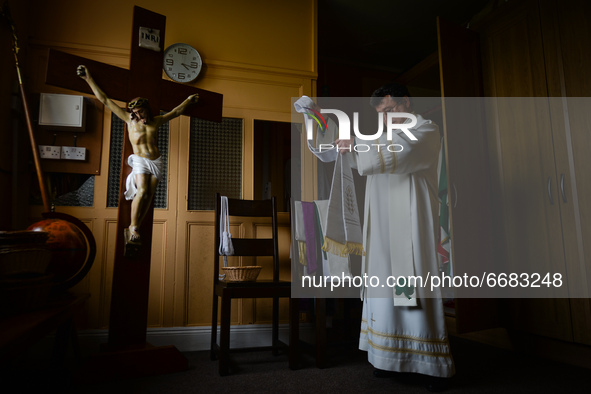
(467, 168)
(193, 267)
(524, 182)
(567, 39)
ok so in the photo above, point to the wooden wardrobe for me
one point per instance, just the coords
(539, 155)
(519, 185)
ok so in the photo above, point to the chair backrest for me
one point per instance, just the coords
(249, 246)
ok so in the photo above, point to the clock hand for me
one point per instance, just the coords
(184, 65)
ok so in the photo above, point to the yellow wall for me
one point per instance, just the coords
(259, 33)
(258, 54)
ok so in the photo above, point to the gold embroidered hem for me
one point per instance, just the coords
(394, 343)
(302, 252)
(406, 350)
(403, 337)
(340, 249)
(406, 339)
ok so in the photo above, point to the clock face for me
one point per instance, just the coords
(182, 62)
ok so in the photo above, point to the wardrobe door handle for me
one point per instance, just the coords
(455, 194)
(550, 190)
(562, 187)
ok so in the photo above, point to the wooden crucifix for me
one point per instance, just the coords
(131, 274)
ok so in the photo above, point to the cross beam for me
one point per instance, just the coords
(113, 81)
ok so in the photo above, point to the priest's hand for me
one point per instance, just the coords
(344, 146)
(316, 107)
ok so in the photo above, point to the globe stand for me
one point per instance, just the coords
(63, 283)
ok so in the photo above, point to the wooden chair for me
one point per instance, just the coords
(261, 288)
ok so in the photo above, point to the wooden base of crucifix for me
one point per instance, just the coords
(127, 353)
(130, 364)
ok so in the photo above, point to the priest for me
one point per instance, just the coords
(403, 326)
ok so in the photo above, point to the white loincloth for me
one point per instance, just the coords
(141, 165)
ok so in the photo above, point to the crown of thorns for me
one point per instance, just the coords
(139, 103)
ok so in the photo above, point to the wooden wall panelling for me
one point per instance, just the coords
(468, 185)
(170, 218)
(156, 306)
(85, 286)
(110, 234)
(199, 279)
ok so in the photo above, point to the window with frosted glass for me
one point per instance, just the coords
(215, 162)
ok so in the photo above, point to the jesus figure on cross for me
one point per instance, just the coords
(145, 161)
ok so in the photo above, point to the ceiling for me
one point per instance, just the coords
(390, 35)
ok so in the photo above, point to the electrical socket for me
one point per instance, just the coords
(73, 153)
(50, 151)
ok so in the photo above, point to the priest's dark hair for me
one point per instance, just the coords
(393, 89)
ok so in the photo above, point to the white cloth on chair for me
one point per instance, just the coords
(226, 248)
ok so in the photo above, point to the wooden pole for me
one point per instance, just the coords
(36, 158)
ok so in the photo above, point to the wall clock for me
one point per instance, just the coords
(182, 63)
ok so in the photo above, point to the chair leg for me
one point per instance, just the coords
(294, 333)
(320, 304)
(275, 326)
(214, 327)
(224, 357)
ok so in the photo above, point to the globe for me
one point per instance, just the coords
(68, 247)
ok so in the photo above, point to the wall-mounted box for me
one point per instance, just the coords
(91, 139)
(62, 112)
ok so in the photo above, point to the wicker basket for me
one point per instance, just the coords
(242, 274)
